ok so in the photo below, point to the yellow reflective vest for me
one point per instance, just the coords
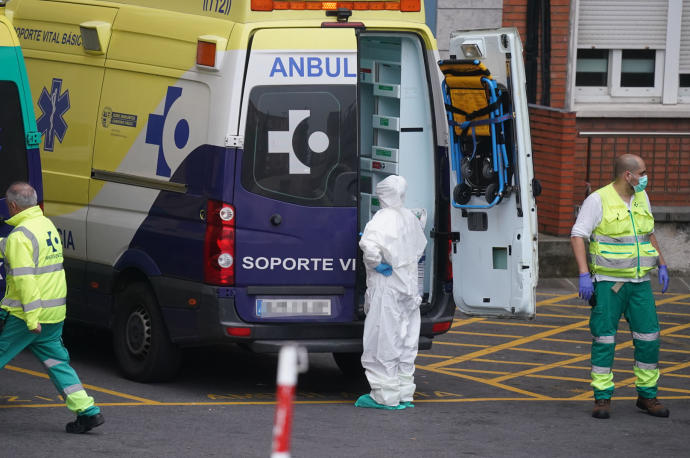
(36, 290)
(620, 245)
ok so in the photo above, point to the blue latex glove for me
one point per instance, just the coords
(663, 278)
(586, 286)
(384, 269)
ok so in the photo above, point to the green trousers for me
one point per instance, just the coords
(635, 301)
(48, 348)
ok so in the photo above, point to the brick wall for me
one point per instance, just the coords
(553, 146)
(667, 157)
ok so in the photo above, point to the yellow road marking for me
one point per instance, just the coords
(458, 323)
(557, 315)
(90, 387)
(485, 334)
(528, 325)
(557, 377)
(521, 363)
(482, 381)
(425, 355)
(546, 352)
(478, 371)
(671, 299)
(582, 342)
(458, 344)
(558, 298)
(678, 335)
(503, 346)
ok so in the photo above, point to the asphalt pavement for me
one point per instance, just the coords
(486, 388)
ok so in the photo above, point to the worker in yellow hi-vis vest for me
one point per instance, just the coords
(35, 302)
(618, 221)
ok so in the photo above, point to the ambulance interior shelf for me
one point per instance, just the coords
(395, 125)
(480, 119)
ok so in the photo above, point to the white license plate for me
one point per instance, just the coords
(276, 307)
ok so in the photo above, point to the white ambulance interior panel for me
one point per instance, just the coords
(396, 127)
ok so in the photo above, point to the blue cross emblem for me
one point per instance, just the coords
(54, 105)
(154, 130)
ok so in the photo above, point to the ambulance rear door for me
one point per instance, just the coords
(296, 183)
(494, 237)
(19, 156)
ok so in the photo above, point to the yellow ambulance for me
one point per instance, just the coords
(210, 164)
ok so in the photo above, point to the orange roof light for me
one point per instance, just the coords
(262, 5)
(371, 5)
(206, 53)
(410, 5)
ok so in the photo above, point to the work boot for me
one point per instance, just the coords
(601, 408)
(84, 423)
(652, 406)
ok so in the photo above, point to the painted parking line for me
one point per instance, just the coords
(86, 386)
(503, 346)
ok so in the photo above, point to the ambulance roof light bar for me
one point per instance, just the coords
(388, 5)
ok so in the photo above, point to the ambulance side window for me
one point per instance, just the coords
(12, 137)
(301, 145)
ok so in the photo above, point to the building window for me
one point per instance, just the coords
(592, 67)
(637, 68)
(632, 52)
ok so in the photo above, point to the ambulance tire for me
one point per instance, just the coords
(350, 364)
(141, 343)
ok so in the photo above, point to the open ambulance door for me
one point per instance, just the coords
(493, 208)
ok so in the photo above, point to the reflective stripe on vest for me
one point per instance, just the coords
(45, 301)
(620, 245)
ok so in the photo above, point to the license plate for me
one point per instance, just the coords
(275, 307)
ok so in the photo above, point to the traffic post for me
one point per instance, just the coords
(292, 360)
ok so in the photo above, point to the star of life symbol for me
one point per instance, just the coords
(53, 105)
(50, 240)
(280, 141)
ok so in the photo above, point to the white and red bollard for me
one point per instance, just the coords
(291, 361)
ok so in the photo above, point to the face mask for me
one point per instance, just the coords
(641, 184)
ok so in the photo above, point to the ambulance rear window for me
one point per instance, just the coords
(301, 144)
(12, 138)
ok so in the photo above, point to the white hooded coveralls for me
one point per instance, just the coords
(391, 329)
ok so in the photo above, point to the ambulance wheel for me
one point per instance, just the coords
(491, 192)
(350, 364)
(462, 193)
(141, 343)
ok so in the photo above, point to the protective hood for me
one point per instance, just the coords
(391, 192)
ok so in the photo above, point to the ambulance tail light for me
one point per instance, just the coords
(441, 327)
(389, 5)
(219, 244)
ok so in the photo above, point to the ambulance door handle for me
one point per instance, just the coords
(276, 219)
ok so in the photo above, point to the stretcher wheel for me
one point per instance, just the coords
(487, 169)
(491, 192)
(466, 168)
(462, 193)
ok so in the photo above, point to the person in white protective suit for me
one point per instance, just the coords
(393, 242)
